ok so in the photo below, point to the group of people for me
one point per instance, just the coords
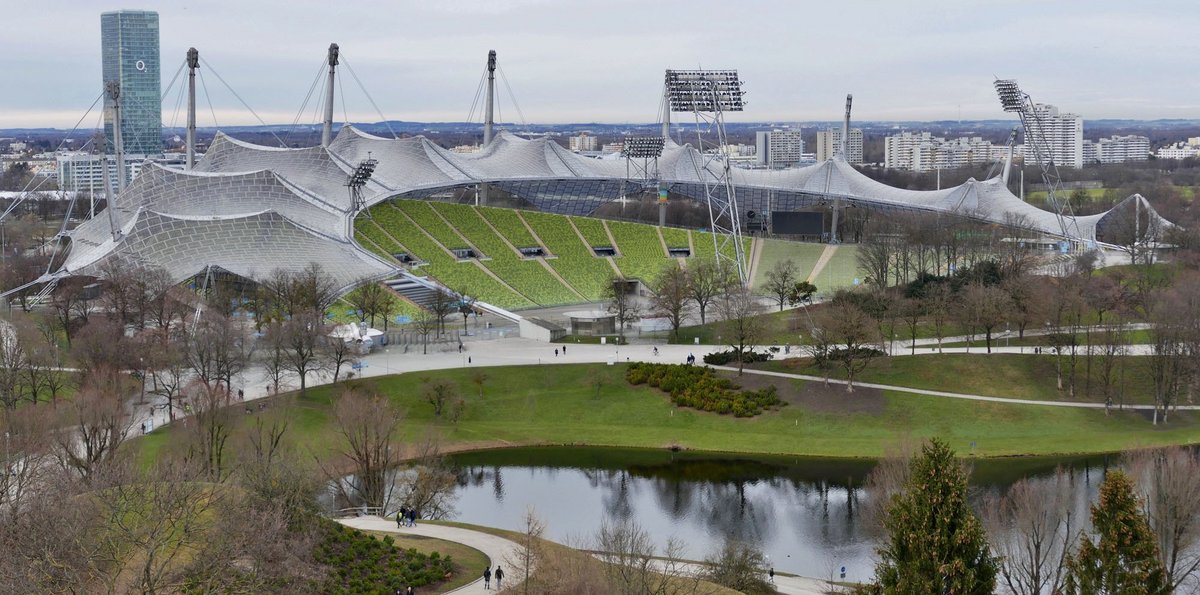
(488, 574)
(564, 350)
(407, 517)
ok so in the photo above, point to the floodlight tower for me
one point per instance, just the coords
(1013, 99)
(641, 155)
(359, 178)
(708, 94)
(327, 129)
(193, 62)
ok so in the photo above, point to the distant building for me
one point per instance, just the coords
(612, 147)
(85, 171)
(1179, 151)
(829, 140)
(130, 50)
(779, 148)
(1117, 149)
(1061, 133)
(17, 147)
(921, 151)
(582, 142)
(465, 149)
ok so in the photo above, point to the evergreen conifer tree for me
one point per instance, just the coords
(935, 542)
(1124, 559)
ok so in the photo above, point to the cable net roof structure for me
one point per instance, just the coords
(250, 209)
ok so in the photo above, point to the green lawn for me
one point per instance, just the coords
(556, 404)
(805, 255)
(1135, 337)
(1006, 375)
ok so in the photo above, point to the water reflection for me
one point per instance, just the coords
(804, 513)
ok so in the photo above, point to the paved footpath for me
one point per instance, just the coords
(497, 549)
(500, 550)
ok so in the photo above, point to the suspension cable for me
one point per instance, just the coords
(211, 109)
(26, 191)
(239, 98)
(304, 105)
(369, 98)
(520, 114)
(478, 93)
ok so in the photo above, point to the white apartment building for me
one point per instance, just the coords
(829, 140)
(612, 147)
(581, 143)
(83, 171)
(1117, 149)
(779, 148)
(1056, 135)
(1179, 151)
(921, 151)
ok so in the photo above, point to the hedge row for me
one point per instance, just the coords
(699, 388)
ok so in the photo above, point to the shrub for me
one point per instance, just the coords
(359, 563)
(720, 358)
(699, 388)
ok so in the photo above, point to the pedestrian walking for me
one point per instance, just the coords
(499, 577)
(468, 359)
(655, 352)
(410, 591)
(771, 574)
(564, 353)
(487, 577)
(400, 517)
(412, 517)
(241, 395)
(555, 352)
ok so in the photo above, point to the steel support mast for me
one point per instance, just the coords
(193, 62)
(489, 120)
(327, 129)
(837, 201)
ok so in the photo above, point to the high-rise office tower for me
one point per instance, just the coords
(129, 47)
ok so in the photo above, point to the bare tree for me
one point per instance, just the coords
(368, 301)
(1169, 482)
(706, 281)
(426, 323)
(304, 337)
(169, 369)
(635, 565)
(854, 337)
(442, 305)
(217, 349)
(438, 392)
(939, 302)
(670, 299)
(13, 364)
(529, 552)
(622, 304)
(742, 325)
(368, 424)
(428, 483)
(98, 423)
(26, 457)
(337, 352)
(781, 280)
(293, 292)
(210, 429)
(886, 479)
(1032, 530)
(156, 521)
(984, 307)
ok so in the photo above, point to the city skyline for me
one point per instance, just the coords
(910, 62)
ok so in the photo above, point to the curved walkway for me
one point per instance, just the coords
(498, 549)
(950, 395)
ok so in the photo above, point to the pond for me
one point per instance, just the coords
(803, 512)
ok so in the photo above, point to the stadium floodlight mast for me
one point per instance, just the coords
(1013, 99)
(708, 94)
(359, 178)
(641, 155)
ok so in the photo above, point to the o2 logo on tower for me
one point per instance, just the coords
(140, 65)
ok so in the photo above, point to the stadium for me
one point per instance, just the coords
(368, 208)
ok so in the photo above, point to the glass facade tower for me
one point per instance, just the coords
(129, 46)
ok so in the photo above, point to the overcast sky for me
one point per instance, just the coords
(603, 60)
